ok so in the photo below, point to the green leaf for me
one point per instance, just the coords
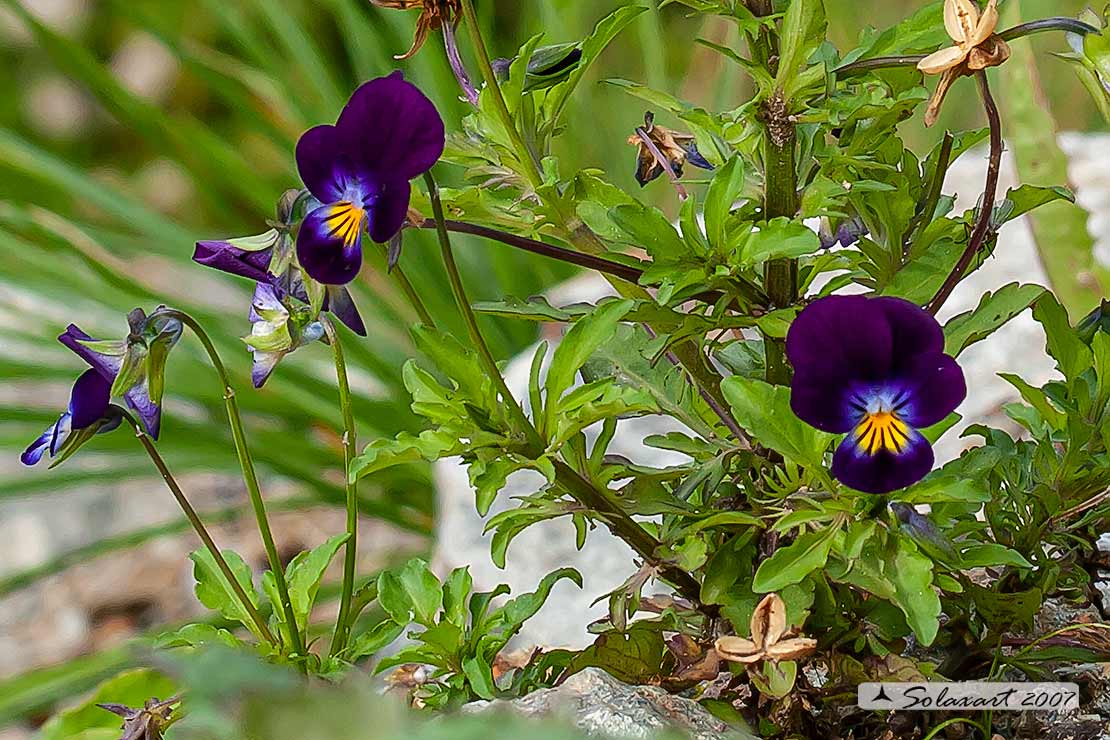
(393, 597)
(912, 575)
(803, 30)
(518, 610)
(372, 640)
(306, 571)
(634, 656)
(583, 339)
(422, 589)
(992, 554)
(1038, 399)
(777, 239)
(216, 593)
(993, 311)
(794, 562)
(1009, 610)
(763, 410)
(938, 489)
(650, 230)
(724, 190)
(1071, 355)
(456, 595)
(480, 675)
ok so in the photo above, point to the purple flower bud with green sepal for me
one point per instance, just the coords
(89, 413)
(277, 329)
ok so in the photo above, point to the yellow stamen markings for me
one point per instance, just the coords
(882, 431)
(344, 222)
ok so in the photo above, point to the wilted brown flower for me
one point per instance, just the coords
(770, 638)
(977, 47)
(433, 15)
(147, 722)
(663, 150)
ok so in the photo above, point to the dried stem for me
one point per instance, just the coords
(662, 161)
(982, 228)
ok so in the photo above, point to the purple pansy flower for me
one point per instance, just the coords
(359, 169)
(134, 366)
(88, 410)
(255, 265)
(874, 369)
(276, 330)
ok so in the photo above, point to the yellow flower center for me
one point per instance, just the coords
(882, 430)
(345, 222)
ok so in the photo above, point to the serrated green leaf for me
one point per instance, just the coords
(794, 562)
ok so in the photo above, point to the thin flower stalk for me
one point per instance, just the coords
(198, 526)
(350, 441)
(250, 478)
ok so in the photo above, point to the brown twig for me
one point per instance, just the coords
(982, 227)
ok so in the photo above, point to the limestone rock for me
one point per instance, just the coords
(601, 705)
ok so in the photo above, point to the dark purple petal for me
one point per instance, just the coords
(340, 303)
(88, 401)
(107, 365)
(843, 339)
(391, 129)
(38, 448)
(914, 330)
(388, 211)
(224, 257)
(329, 245)
(935, 387)
(822, 403)
(320, 163)
(882, 470)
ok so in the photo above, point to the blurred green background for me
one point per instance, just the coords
(131, 128)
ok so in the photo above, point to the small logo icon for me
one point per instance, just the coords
(881, 696)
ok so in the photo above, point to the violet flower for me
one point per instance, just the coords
(231, 257)
(277, 329)
(134, 366)
(89, 413)
(359, 169)
(874, 369)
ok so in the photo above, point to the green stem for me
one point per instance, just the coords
(342, 622)
(523, 152)
(198, 527)
(414, 297)
(581, 489)
(780, 276)
(250, 478)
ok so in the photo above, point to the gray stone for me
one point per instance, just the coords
(601, 705)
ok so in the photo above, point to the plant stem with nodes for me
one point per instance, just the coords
(250, 478)
(581, 489)
(982, 229)
(350, 555)
(198, 526)
(704, 376)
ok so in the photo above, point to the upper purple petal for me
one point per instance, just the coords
(822, 402)
(842, 339)
(227, 258)
(88, 401)
(388, 211)
(391, 129)
(914, 330)
(883, 471)
(321, 163)
(935, 387)
(107, 365)
(328, 253)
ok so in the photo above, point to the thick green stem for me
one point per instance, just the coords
(780, 276)
(250, 478)
(343, 621)
(199, 528)
(581, 489)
